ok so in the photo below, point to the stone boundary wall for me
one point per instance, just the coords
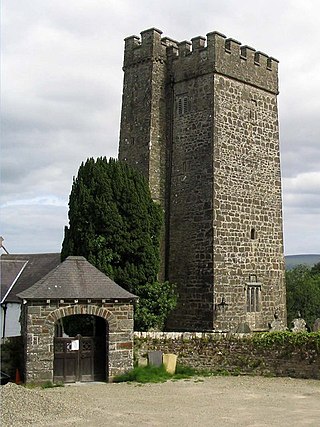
(270, 354)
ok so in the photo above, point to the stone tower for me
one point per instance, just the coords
(200, 121)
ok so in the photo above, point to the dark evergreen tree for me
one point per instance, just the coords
(115, 225)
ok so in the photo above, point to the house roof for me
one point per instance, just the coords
(76, 278)
(10, 271)
(20, 271)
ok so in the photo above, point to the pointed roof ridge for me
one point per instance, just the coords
(76, 278)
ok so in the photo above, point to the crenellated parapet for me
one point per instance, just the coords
(243, 63)
(202, 55)
(219, 54)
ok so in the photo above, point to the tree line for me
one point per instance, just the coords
(303, 293)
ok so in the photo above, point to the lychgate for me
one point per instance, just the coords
(77, 325)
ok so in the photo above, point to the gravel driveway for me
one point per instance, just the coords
(215, 401)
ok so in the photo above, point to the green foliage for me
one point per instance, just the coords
(286, 340)
(115, 225)
(156, 300)
(79, 324)
(315, 269)
(303, 293)
(183, 371)
(49, 384)
(145, 374)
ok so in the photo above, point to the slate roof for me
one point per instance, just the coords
(9, 273)
(76, 278)
(32, 268)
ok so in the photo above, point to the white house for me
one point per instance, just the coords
(18, 273)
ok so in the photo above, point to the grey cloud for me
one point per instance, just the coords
(302, 203)
(300, 143)
(301, 232)
(34, 229)
(47, 161)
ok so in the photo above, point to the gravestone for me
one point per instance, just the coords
(316, 325)
(243, 328)
(143, 361)
(299, 325)
(155, 358)
(170, 362)
(277, 324)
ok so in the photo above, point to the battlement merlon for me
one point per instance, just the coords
(149, 47)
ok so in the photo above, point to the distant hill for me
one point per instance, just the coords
(294, 260)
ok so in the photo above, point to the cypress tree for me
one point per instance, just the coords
(115, 225)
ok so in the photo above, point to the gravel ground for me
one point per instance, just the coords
(216, 401)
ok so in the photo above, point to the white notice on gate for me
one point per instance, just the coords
(74, 345)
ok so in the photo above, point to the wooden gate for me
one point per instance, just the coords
(79, 359)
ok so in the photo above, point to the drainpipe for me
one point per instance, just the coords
(4, 308)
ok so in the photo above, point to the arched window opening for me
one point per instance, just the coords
(253, 234)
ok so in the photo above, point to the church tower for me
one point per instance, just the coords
(200, 121)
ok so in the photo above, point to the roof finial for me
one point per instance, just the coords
(1, 245)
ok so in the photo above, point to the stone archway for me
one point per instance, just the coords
(40, 319)
(70, 310)
(81, 344)
(81, 358)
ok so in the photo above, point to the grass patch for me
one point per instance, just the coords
(144, 374)
(49, 384)
(158, 374)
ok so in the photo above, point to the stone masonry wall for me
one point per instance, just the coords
(237, 354)
(191, 216)
(136, 118)
(39, 324)
(247, 196)
(143, 116)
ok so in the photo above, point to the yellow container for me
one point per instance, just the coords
(170, 362)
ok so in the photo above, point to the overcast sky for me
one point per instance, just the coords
(61, 98)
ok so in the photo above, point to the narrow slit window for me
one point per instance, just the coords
(184, 167)
(185, 105)
(253, 109)
(253, 278)
(180, 107)
(253, 234)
